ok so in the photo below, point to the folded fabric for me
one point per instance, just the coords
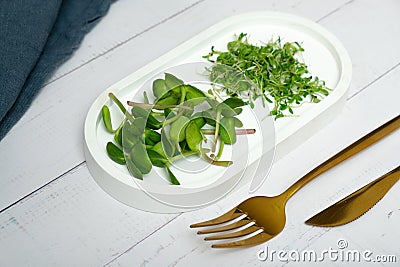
(36, 37)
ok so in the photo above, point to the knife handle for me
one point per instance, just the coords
(344, 154)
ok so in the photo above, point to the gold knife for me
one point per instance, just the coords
(358, 203)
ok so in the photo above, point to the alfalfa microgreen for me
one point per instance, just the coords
(281, 78)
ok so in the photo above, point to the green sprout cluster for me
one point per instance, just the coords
(173, 127)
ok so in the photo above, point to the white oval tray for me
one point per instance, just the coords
(324, 55)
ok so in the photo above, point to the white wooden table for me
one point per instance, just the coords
(52, 213)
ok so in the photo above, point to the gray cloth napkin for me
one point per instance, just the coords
(37, 36)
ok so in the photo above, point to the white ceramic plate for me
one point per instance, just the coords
(325, 57)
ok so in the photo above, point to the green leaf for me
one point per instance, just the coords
(177, 129)
(140, 158)
(159, 88)
(167, 111)
(238, 123)
(183, 145)
(105, 113)
(209, 117)
(229, 107)
(158, 147)
(157, 159)
(148, 141)
(129, 137)
(227, 111)
(133, 169)
(152, 135)
(227, 130)
(115, 153)
(200, 121)
(234, 102)
(136, 128)
(151, 121)
(118, 135)
(170, 100)
(188, 107)
(167, 145)
(171, 81)
(172, 177)
(238, 110)
(194, 137)
(194, 95)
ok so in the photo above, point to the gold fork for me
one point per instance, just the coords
(264, 217)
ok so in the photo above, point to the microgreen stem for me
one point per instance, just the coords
(116, 101)
(237, 131)
(146, 98)
(220, 150)
(217, 119)
(183, 95)
(121, 107)
(183, 155)
(223, 163)
(144, 105)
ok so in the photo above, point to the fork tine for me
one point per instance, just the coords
(240, 233)
(231, 226)
(230, 215)
(251, 241)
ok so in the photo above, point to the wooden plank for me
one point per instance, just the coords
(377, 231)
(125, 21)
(72, 222)
(370, 31)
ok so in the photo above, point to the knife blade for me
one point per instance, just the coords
(356, 204)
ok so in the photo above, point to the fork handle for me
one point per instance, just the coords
(346, 153)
